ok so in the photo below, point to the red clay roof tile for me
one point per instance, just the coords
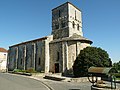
(3, 50)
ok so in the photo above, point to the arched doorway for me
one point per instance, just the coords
(56, 67)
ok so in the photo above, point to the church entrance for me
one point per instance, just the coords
(56, 67)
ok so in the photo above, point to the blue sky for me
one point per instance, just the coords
(23, 20)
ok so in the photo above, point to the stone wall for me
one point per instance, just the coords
(71, 53)
(27, 55)
(12, 56)
(55, 56)
(68, 51)
(63, 18)
(75, 16)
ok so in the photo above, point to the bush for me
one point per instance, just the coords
(31, 70)
(117, 75)
(17, 70)
(90, 56)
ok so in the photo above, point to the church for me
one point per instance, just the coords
(55, 53)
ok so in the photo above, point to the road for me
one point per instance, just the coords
(14, 82)
(60, 85)
(17, 82)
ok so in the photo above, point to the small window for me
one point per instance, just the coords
(63, 24)
(73, 24)
(57, 26)
(32, 47)
(39, 61)
(78, 26)
(59, 12)
(21, 61)
(75, 14)
(58, 56)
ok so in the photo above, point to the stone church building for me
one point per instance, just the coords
(55, 53)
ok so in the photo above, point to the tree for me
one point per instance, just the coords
(90, 56)
(117, 65)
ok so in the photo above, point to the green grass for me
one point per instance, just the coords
(25, 71)
(117, 78)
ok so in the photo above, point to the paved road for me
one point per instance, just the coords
(61, 85)
(68, 85)
(16, 82)
(13, 82)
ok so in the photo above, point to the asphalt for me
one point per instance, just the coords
(37, 82)
(15, 82)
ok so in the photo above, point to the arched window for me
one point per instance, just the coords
(56, 26)
(58, 56)
(62, 24)
(78, 26)
(59, 13)
(73, 24)
(39, 61)
(21, 61)
(75, 14)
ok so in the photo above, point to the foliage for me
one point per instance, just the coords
(117, 65)
(18, 70)
(31, 70)
(117, 75)
(90, 56)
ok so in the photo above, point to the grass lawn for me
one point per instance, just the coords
(117, 78)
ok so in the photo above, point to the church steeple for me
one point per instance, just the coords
(66, 21)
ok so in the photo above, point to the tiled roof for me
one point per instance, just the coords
(39, 39)
(74, 37)
(3, 50)
(102, 70)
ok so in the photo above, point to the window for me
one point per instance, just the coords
(4, 56)
(32, 48)
(73, 24)
(56, 26)
(62, 24)
(75, 14)
(58, 56)
(78, 26)
(39, 61)
(59, 12)
(21, 61)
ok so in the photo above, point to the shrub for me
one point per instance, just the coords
(31, 70)
(90, 56)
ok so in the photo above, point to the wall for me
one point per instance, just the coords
(12, 56)
(27, 55)
(75, 16)
(3, 61)
(55, 56)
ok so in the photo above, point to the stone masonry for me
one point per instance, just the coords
(55, 53)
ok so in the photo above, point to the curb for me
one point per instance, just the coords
(46, 85)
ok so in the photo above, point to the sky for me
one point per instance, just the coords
(24, 20)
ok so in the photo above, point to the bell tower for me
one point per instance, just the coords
(66, 21)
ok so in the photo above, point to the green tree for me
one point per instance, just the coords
(90, 56)
(117, 65)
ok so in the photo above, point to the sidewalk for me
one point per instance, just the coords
(59, 77)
